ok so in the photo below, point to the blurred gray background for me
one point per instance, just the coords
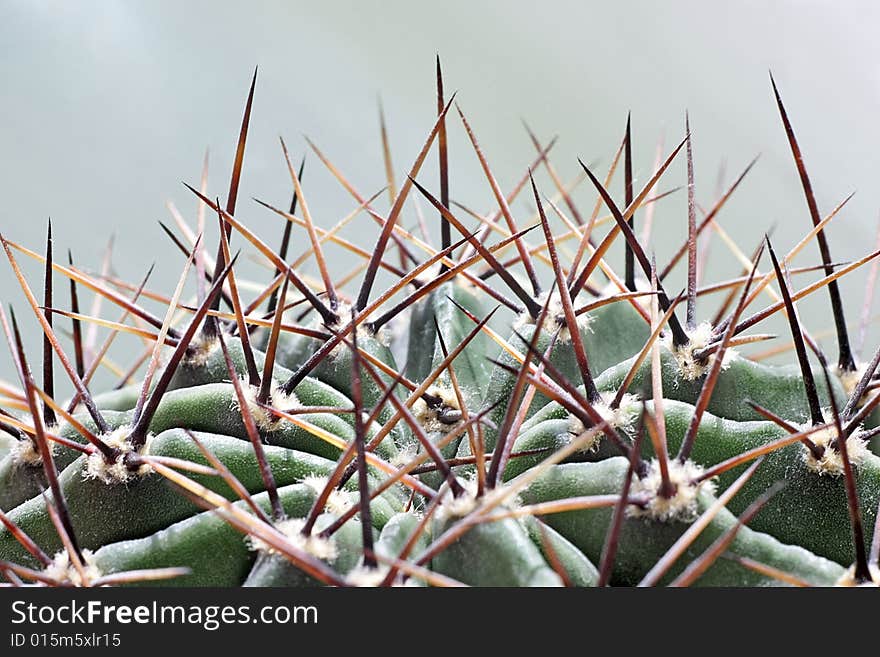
(108, 106)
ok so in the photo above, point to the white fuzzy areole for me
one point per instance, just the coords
(849, 577)
(458, 507)
(365, 577)
(25, 452)
(683, 505)
(427, 416)
(62, 569)
(850, 379)
(265, 419)
(383, 336)
(621, 417)
(339, 502)
(699, 338)
(831, 462)
(117, 472)
(317, 546)
(554, 319)
(200, 350)
(404, 456)
(363, 331)
(576, 428)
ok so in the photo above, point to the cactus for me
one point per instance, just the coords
(511, 410)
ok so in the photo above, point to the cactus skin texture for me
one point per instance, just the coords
(510, 410)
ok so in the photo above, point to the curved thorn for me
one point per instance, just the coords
(379, 249)
(285, 237)
(629, 257)
(42, 443)
(253, 433)
(141, 422)
(100, 422)
(317, 249)
(846, 361)
(861, 570)
(577, 343)
(502, 203)
(680, 338)
(794, 324)
(612, 537)
(709, 383)
(48, 367)
(531, 305)
(443, 156)
(692, 234)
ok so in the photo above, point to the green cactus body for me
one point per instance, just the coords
(497, 553)
(334, 372)
(420, 432)
(186, 542)
(644, 541)
(611, 335)
(502, 381)
(397, 532)
(20, 480)
(122, 399)
(810, 511)
(777, 388)
(275, 570)
(108, 513)
(577, 567)
(424, 351)
(616, 332)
